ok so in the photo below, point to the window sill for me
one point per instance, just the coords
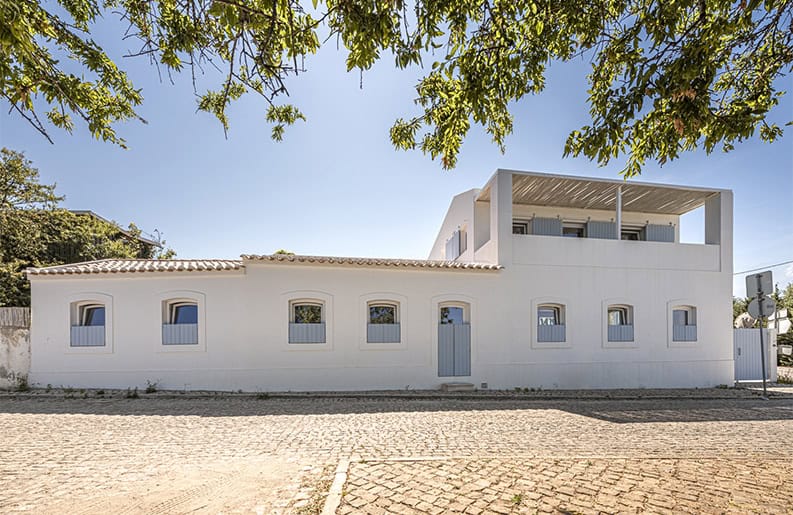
(620, 345)
(682, 344)
(181, 347)
(550, 345)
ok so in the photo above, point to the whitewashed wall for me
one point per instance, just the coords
(14, 346)
(246, 318)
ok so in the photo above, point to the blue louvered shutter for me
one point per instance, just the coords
(546, 226)
(603, 230)
(664, 233)
(453, 246)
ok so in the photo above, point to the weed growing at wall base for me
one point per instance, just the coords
(22, 384)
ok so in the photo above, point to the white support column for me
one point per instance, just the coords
(718, 227)
(619, 213)
(501, 217)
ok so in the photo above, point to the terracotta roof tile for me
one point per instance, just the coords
(370, 262)
(123, 266)
(114, 266)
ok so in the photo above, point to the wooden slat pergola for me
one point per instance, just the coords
(538, 189)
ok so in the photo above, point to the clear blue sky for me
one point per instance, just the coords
(336, 186)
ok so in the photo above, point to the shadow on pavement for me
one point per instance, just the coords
(631, 411)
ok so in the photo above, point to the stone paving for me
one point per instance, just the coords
(620, 485)
(243, 454)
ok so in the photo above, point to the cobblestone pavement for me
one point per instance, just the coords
(504, 485)
(232, 454)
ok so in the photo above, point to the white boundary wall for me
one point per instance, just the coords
(14, 346)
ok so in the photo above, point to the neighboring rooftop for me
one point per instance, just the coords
(542, 189)
(116, 266)
(148, 241)
(368, 262)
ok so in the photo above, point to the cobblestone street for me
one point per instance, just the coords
(243, 454)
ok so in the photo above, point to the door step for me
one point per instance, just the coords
(457, 387)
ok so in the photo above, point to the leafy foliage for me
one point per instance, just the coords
(34, 231)
(739, 306)
(667, 77)
(786, 299)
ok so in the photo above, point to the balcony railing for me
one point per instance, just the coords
(180, 334)
(551, 333)
(306, 333)
(382, 333)
(621, 333)
(88, 336)
(684, 333)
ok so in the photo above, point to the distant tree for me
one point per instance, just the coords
(284, 252)
(34, 231)
(739, 306)
(666, 77)
(786, 299)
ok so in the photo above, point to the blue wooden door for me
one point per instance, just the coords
(454, 343)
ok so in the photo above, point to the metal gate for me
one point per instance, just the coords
(454, 349)
(746, 348)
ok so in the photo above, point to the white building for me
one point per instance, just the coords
(527, 285)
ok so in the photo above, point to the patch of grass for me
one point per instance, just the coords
(517, 499)
(68, 390)
(151, 387)
(319, 491)
(262, 396)
(783, 379)
(132, 394)
(100, 393)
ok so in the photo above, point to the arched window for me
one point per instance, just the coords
(180, 322)
(620, 323)
(551, 323)
(684, 324)
(383, 322)
(183, 313)
(307, 321)
(88, 324)
(92, 315)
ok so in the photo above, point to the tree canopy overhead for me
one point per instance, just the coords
(667, 77)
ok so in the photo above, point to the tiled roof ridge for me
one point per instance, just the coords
(369, 261)
(133, 265)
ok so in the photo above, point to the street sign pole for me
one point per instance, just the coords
(762, 345)
(759, 286)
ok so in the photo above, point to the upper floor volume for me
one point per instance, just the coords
(529, 218)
